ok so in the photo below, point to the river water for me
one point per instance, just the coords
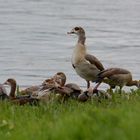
(34, 44)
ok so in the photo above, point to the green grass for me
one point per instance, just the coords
(108, 120)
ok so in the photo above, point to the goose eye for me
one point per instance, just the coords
(76, 28)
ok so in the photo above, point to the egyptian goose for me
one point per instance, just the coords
(56, 86)
(21, 100)
(98, 94)
(70, 90)
(76, 90)
(87, 66)
(50, 86)
(117, 77)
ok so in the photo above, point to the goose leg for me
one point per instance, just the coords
(95, 88)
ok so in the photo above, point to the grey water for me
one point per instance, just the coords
(34, 44)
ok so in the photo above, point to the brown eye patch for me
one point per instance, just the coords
(76, 28)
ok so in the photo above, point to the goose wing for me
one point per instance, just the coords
(112, 71)
(93, 60)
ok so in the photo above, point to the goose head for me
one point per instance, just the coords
(10, 82)
(60, 78)
(78, 31)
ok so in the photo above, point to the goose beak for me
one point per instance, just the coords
(71, 32)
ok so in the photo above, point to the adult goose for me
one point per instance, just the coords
(117, 77)
(86, 65)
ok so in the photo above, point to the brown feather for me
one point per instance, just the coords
(93, 60)
(112, 71)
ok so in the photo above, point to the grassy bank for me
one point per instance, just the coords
(114, 119)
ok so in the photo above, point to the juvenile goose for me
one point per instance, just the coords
(76, 90)
(58, 80)
(51, 86)
(87, 66)
(70, 90)
(56, 87)
(117, 77)
(21, 100)
(89, 94)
